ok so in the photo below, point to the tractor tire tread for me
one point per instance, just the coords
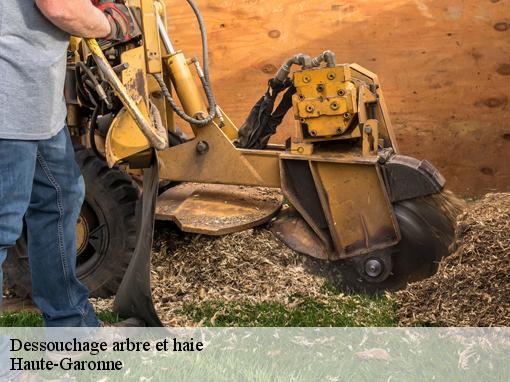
(118, 193)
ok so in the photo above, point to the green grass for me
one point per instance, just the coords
(351, 311)
(21, 319)
(33, 319)
(334, 309)
(355, 311)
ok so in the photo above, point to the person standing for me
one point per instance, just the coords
(39, 178)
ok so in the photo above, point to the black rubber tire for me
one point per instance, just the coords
(110, 200)
(427, 234)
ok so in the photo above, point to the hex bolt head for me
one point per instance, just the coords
(202, 147)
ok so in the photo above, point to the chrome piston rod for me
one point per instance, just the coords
(164, 36)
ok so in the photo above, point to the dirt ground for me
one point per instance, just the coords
(472, 286)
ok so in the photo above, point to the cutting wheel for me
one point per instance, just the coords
(427, 226)
(215, 209)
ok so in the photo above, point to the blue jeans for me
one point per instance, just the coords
(41, 181)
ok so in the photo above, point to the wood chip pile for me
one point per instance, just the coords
(249, 266)
(246, 266)
(472, 287)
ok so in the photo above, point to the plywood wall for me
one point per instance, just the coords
(444, 67)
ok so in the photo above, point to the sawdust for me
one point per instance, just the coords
(472, 286)
(249, 266)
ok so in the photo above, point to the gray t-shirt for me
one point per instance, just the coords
(32, 72)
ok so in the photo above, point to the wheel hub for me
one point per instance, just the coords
(82, 234)
(87, 236)
(374, 268)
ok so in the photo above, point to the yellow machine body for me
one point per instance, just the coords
(346, 185)
(338, 190)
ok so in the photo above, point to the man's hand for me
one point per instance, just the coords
(119, 17)
(77, 17)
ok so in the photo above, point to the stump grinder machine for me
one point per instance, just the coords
(338, 190)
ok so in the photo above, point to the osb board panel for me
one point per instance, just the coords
(444, 67)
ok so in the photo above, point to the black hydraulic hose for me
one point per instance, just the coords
(92, 133)
(203, 33)
(181, 113)
(327, 56)
(299, 59)
(305, 62)
(88, 72)
(93, 83)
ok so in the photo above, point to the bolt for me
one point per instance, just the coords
(331, 76)
(339, 131)
(341, 93)
(301, 149)
(202, 147)
(374, 267)
(368, 129)
(320, 88)
(120, 68)
(334, 106)
(301, 97)
(313, 133)
(310, 108)
(306, 79)
(347, 115)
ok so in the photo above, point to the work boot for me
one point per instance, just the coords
(109, 338)
(128, 323)
(26, 376)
